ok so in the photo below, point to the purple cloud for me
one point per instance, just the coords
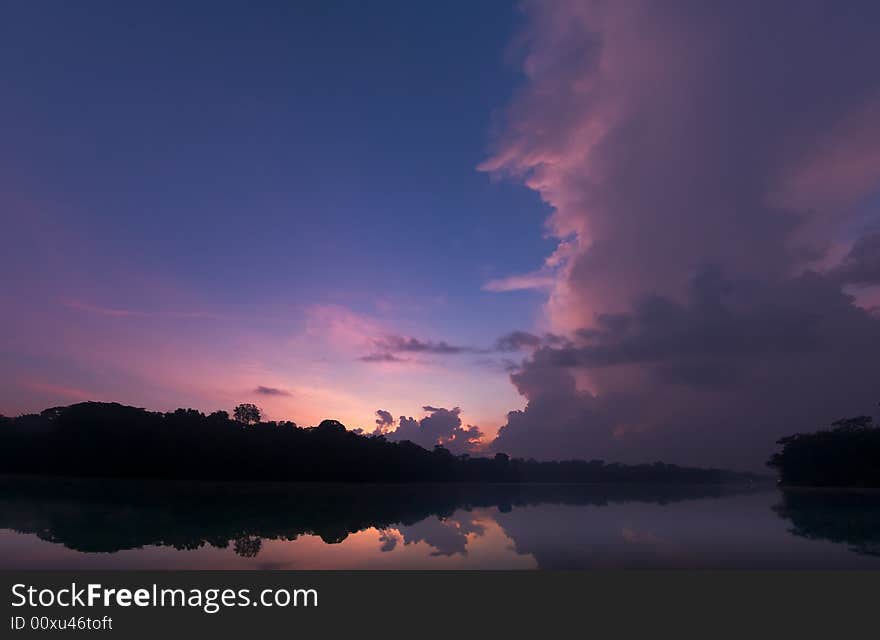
(381, 357)
(403, 344)
(441, 426)
(711, 174)
(384, 421)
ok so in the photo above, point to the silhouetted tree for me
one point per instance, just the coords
(847, 454)
(440, 450)
(331, 427)
(247, 413)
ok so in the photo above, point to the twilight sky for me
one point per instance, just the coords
(648, 230)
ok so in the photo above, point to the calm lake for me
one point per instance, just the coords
(51, 523)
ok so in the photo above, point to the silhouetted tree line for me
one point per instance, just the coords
(112, 440)
(95, 516)
(846, 455)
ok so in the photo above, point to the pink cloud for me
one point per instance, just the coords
(60, 391)
(839, 166)
(697, 162)
(342, 327)
(526, 281)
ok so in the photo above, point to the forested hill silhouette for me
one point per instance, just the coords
(92, 439)
(846, 455)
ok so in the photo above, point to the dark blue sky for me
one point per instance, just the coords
(305, 152)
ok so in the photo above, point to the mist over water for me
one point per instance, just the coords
(73, 524)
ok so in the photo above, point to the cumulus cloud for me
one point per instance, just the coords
(715, 379)
(441, 426)
(702, 165)
(384, 421)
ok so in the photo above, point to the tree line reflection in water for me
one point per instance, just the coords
(560, 525)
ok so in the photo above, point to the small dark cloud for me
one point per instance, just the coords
(384, 419)
(517, 340)
(387, 347)
(271, 391)
(403, 344)
(523, 340)
(381, 357)
(504, 365)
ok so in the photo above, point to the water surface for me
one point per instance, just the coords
(51, 523)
